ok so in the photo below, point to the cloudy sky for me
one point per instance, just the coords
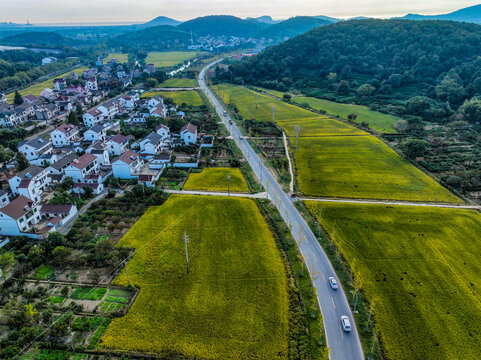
(51, 11)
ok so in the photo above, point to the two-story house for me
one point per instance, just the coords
(34, 148)
(35, 177)
(19, 216)
(92, 117)
(117, 144)
(188, 134)
(127, 165)
(151, 144)
(96, 133)
(110, 108)
(85, 165)
(100, 150)
(163, 131)
(91, 84)
(46, 112)
(64, 135)
(8, 119)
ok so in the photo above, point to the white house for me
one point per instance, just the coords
(91, 84)
(117, 144)
(18, 216)
(159, 111)
(34, 176)
(64, 135)
(34, 148)
(110, 108)
(28, 189)
(4, 199)
(127, 165)
(92, 117)
(59, 84)
(163, 131)
(151, 144)
(85, 165)
(97, 188)
(159, 161)
(58, 215)
(8, 119)
(59, 166)
(188, 134)
(46, 112)
(128, 101)
(156, 100)
(48, 94)
(96, 133)
(100, 150)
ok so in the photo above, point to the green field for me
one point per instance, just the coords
(37, 88)
(179, 83)
(362, 167)
(319, 126)
(421, 268)
(376, 120)
(232, 305)
(168, 58)
(190, 97)
(122, 58)
(88, 293)
(216, 179)
(276, 93)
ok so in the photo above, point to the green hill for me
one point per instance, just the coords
(39, 38)
(292, 27)
(227, 25)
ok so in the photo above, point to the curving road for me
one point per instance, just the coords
(333, 303)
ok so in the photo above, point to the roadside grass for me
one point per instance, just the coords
(378, 121)
(189, 97)
(215, 179)
(418, 268)
(232, 305)
(179, 83)
(362, 167)
(36, 89)
(168, 58)
(122, 58)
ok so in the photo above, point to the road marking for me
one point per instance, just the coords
(342, 335)
(324, 278)
(333, 303)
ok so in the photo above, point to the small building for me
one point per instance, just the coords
(64, 135)
(19, 216)
(100, 150)
(92, 117)
(29, 99)
(188, 134)
(62, 212)
(59, 166)
(110, 108)
(34, 148)
(117, 144)
(163, 131)
(96, 133)
(91, 84)
(48, 60)
(85, 165)
(159, 161)
(59, 84)
(8, 119)
(36, 176)
(127, 165)
(151, 144)
(79, 188)
(46, 112)
(48, 94)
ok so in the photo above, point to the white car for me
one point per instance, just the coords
(346, 324)
(333, 282)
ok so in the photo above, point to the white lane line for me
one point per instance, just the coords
(342, 335)
(324, 278)
(334, 305)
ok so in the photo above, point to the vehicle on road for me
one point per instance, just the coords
(293, 195)
(346, 324)
(225, 113)
(333, 282)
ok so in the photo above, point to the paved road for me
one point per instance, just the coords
(333, 304)
(261, 195)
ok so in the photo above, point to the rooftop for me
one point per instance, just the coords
(18, 207)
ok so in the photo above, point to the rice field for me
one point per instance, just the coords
(179, 83)
(233, 304)
(420, 267)
(215, 179)
(189, 97)
(122, 58)
(168, 58)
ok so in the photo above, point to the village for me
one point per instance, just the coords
(83, 156)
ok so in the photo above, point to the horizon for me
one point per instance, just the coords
(36, 12)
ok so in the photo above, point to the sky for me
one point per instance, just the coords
(77, 11)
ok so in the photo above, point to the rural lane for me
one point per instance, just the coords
(333, 303)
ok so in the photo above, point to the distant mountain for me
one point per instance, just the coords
(266, 19)
(328, 18)
(153, 38)
(359, 18)
(470, 14)
(292, 27)
(217, 25)
(161, 20)
(39, 39)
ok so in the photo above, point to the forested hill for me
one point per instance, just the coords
(225, 25)
(292, 27)
(388, 59)
(39, 39)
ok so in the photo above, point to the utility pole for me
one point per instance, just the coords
(228, 184)
(127, 272)
(186, 241)
(297, 135)
(369, 318)
(273, 113)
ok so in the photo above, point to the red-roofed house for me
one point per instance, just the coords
(117, 144)
(59, 214)
(127, 165)
(64, 135)
(188, 134)
(85, 165)
(92, 117)
(18, 216)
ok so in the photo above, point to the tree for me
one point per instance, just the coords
(471, 109)
(79, 111)
(17, 99)
(343, 88)
(60, 255)
(72, 119)
(414, 148)
(4, 156)
(123, 128)
(366, 90)
(287, 97)
(22, 162)
(151, 83)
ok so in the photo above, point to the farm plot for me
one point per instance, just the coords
(376, 120)
(179, 83)
(189, 97)
(420, 267)
(216, 179)
(168, 58)
(232, 305)
(37, 88)
(122, 58)
(362, 167)
(319, 126)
